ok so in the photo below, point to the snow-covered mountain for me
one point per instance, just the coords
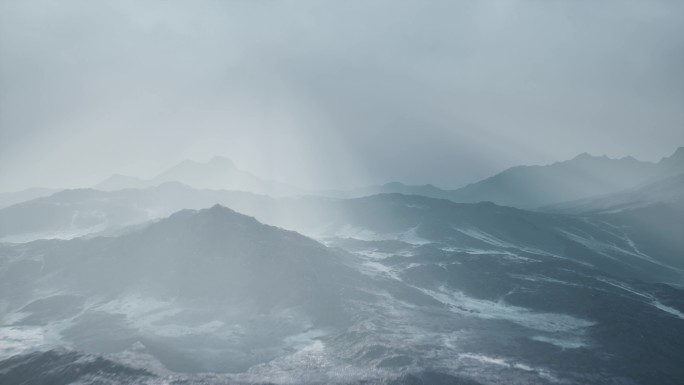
(407, 290)
(162, 285)
(603, 239)
(611, 243)
(197, 276)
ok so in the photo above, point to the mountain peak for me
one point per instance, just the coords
(217, 208)
(584, 156)
(221, 215)
(219, 211)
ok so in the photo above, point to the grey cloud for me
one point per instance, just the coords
(332, 94)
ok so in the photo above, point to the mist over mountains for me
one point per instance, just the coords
(11, 198)
(177, 279)
(534, 186)
(341, 192)
(667, 190)
(219, 173)
(528, 187)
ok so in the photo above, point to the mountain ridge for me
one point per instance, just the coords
(218, 173)
(668, 190)
(532, 186)
(389, 279)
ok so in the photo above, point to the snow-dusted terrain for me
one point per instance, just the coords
(400, 289)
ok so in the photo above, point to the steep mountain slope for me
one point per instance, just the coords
(420, 220)
(668, 191)
(651, 217)
(217, 173)
(655, 230)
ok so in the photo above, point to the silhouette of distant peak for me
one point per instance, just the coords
(584, 155)
(215, 212)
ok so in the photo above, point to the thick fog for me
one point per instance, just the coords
(333, 94)
(237, 225)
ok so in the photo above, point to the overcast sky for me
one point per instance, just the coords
(334, 93)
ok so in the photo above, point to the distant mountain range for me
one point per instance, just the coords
(582, 176)
(219, 173)
(160, 282)
(79, 212)
(668, 191)
(528, 187)
(535, 186)
(397, 217)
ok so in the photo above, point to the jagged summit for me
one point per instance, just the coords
(587, 157)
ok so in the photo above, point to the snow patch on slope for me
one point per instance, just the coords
(653, 301)
(500, 362)
(410, 236)
(549, 322)
(20, 339)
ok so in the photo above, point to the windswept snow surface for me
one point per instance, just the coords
(475, 305)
